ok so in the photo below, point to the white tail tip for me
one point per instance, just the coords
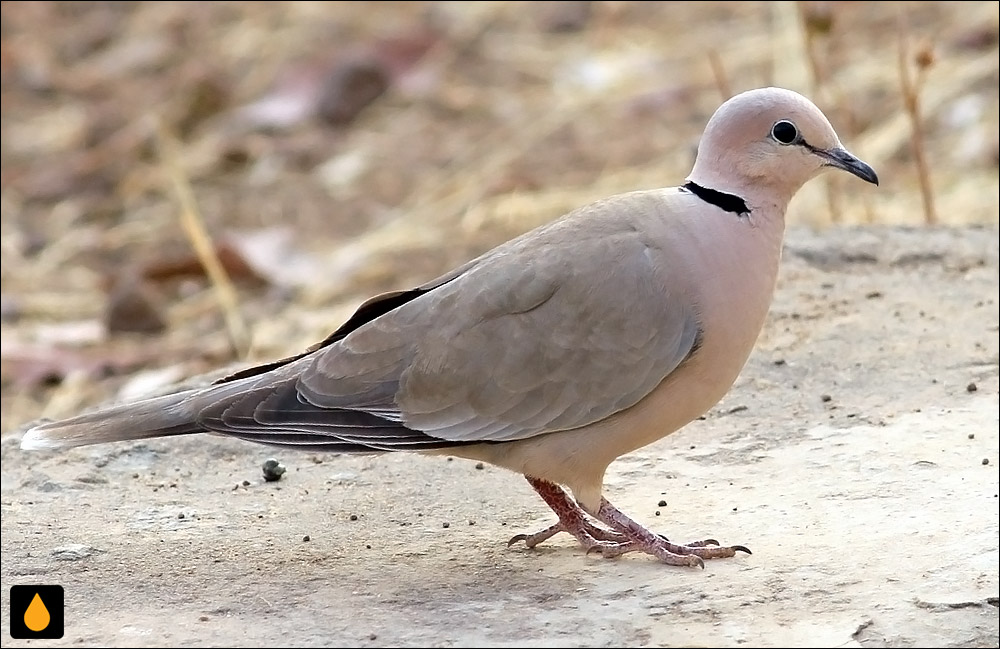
(36, 440)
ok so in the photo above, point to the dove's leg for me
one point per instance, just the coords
(642, 540)
(572, 519)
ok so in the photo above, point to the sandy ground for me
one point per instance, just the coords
(856, 456)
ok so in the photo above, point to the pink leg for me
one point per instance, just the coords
(572, 519)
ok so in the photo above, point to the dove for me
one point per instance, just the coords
(552, 354)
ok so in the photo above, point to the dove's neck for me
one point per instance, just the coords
(721, 182)
(722, 200)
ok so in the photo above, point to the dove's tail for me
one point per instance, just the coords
(173, 414)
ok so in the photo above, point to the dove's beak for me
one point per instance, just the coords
(842, 159)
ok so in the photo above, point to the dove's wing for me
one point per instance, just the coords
(549, 332)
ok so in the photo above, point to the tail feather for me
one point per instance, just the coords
(172, 414)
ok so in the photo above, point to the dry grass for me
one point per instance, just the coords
(503, 124)
(196, 232)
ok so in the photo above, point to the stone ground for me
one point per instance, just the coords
(856, 456)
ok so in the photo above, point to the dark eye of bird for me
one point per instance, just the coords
(784, 132)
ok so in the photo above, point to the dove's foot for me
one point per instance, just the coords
(621, 535)
(642, 540)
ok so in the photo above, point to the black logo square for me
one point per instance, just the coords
(36, 612)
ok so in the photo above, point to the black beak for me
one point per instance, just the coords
(841, 159)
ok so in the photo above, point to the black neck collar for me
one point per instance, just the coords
(722, 200)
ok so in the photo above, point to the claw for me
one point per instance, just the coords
(517, 537)
(702, 544)
(740, 548)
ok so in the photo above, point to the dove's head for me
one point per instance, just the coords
(763, 145)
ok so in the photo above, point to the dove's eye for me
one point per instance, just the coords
(785, 132)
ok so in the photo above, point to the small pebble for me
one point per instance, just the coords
(446, 524)
(972, 436)
(305, 539)
(368, 546)
(73, 552)
(180, 515)
(203, 618)
(986, 461)
(472, 522)
(972, 387)
(273, 470)
(246, 483)
(480, 466)
(657, 512)
(662, 503)
(372, 636)
(825, 398)
(353, 517)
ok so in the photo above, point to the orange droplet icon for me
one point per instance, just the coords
(36, 617)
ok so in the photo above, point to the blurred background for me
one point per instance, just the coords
(311, 154)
